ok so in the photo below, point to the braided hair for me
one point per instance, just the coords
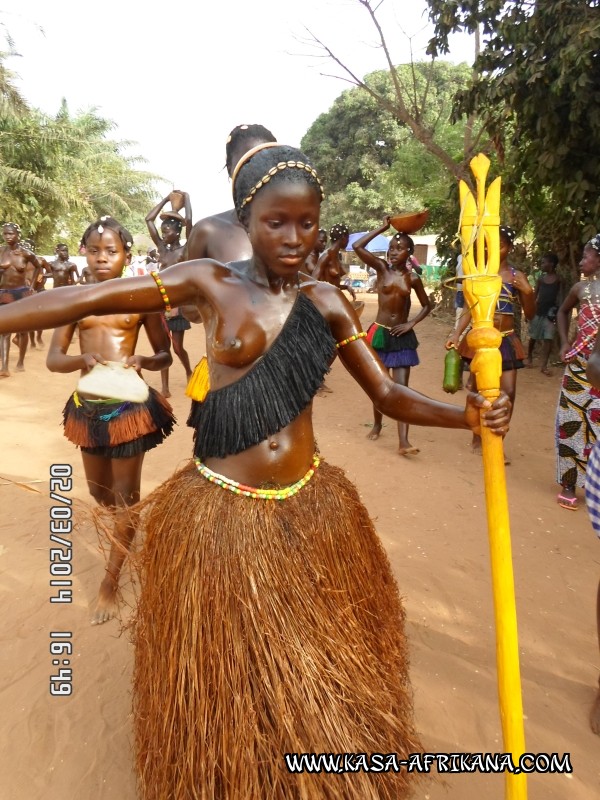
(13, 225)
(398, 236)
(241, 134)
(594, 243)
(111, 223)
(276, 164)
(509, 233)
(338, 231)
(169, 218)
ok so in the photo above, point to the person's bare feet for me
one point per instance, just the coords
(595, 714)
(106, 604)
(20, 368)
(374, 432)
(528, 363)
(4, 373)
(408, 451)
(165, 392)
(547, 372)
(476, 445)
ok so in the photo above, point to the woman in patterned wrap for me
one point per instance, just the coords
(578, 415)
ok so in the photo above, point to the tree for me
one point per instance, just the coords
(371, 163)
(58, 173)
(538, 95)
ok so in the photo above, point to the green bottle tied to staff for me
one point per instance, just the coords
(452, 371)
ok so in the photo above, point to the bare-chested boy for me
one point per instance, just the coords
(18, 268)
(113, 434)
(64, 272)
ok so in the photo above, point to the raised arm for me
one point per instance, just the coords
(188, 214)
(151, 216)
(184, 284)
(360, 246)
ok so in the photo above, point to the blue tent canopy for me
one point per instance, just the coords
(379, 244)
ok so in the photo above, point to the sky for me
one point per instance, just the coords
(177, 78)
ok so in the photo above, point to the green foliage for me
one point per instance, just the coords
(57, 174)
(538, 94)
(371, 162)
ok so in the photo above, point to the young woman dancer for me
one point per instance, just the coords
(392, 334)
(113, 433)
(269, 621)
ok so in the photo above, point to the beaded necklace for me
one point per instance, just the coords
(250, 491)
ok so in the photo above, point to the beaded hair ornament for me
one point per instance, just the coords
(594, 243)
(510, 233)
(272, 172)
(12, 225)
(338, 230)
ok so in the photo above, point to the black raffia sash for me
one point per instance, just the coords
(272, 393)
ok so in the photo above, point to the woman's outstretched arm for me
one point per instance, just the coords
(184, 283)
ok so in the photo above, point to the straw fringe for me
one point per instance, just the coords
(272, 393)
(265, 629)
(147, 423)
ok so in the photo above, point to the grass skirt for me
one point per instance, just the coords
(266, 628)
(577, 424)
(117, 429)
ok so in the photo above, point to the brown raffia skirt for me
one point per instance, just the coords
(265, 628)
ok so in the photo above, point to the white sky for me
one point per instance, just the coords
(177, 78)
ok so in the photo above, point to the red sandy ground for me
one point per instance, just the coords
(430, 513)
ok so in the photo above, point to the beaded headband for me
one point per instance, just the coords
(248, 155)
(278, 168)
(12, 225)
(594, 243)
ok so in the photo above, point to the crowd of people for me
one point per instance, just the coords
(268, 620)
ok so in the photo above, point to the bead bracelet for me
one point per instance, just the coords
(352, 338)
(161, 289)
(251, 491)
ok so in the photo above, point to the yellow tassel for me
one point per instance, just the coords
(199, 384)
(76, 400)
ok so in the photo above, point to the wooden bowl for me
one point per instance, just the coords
(410, 221)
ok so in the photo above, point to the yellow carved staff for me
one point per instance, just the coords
(480, 240)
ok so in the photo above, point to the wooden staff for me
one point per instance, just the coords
(480, 240)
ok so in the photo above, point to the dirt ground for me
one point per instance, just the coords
(430, 513)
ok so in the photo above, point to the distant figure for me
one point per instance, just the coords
(543, 326)
(313, 257)
(38, 285)
(171, 251)
(392, 335)
(64, 272)
(18, 267)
